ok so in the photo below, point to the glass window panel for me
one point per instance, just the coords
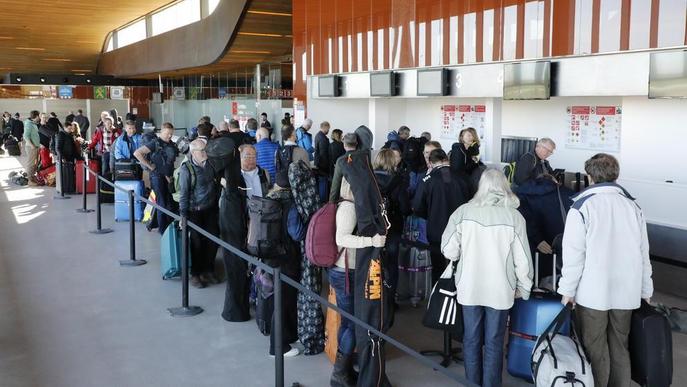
(583, 27)
(392, 38)
(470, 37)
(131, 34)
(212, 4)
(178, 15)
(437, 42)
(609, 26)
(510, 31)
(350, 53)
(640, 24)
(359, 52)
(370, 50)
(110, 44)
(380, 49)
(488, 37)
(421, 44)
(671, 23)
(340, 69)
(330, 63)
(453, 40)
(534, 29)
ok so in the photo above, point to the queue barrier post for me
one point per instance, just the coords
(98, 212)
(84, 209)
(278, 330)
(184, 310)
(132, 261)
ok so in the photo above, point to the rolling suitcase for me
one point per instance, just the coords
(414, 274)
(12, 146)
(264, 307)
(106, 190)
(528, 320)
(90, 178)
(122, 200)
(170, 252)
(651, 347)
(66, 178)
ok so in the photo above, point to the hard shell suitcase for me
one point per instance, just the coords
(122, 200)
(170, 252)
(528, 320)
(90, 178)
(651, 347)
(66, 178)
(414, 274)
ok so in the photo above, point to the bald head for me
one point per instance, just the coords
(262, 134)
(223, 126)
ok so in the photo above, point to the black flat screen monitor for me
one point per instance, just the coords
(528, 80)
(383, 84)
(432, 82)
(668, 74)
(329, 86)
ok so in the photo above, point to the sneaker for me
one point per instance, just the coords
(291, 353)
(196, 282)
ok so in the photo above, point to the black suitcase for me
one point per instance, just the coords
(264, 309)
(106, 190)
(66, 178)
(12, 146)
(651, 348)
(127, 170)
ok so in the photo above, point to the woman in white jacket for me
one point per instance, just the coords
(488, 238)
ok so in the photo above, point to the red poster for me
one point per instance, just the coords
(449, 108)
(234, 108)
(605, 110)
(480, 109)
(580, 110)
(464, 108)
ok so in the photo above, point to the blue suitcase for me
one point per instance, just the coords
(528, 320)
(122, 200)
(170, 252)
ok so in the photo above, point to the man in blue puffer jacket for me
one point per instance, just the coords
(304, 139)
(126, 145)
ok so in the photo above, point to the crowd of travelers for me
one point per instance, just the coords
(489, 224)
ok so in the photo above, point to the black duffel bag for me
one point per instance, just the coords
(443, 310)
(128, 170)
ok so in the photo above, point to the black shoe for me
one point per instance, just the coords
(340, 375)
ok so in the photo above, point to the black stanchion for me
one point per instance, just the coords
(58, 168)
(84, 209)
(447, 353)
(185, 310)
(98, 212)
(278, 330)
(132, 261)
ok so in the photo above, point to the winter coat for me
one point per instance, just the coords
(490, 244)
(304, 140)
(394, 187)
(544, 206)
(336, 150)
(66, 146)
(196, 193)
(125, 146)
(266, 151)
(97, 140)
(529, 167)
(606, 250)
(462, 158)
(437, 196)
(322, 162)
(365, 138)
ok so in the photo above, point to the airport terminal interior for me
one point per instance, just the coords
(146, 144)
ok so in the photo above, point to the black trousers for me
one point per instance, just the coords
(233, 231)
(289, 311)
(203, 251)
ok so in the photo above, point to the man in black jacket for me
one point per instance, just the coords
(437, 196)
(83, 122)
(533, 164)
(322, 161)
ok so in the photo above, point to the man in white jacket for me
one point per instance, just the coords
(606, 269)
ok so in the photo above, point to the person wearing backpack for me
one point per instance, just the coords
(360, 140)
(288, 153)
(198, 202)
(304, 139)
(159, 156)
(342, 279)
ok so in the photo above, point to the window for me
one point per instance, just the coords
(470, 37)
(212, 4)
(178, 15)
(510, 31)
(132, 33)
(534, 29)
(671, 23)
(488, 36)
(110, 44)
(609, 28)
(640, 20)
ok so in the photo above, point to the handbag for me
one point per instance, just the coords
(443, 310)
(128, 170)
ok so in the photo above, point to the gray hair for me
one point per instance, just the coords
(494, 183)
(546, 141)
(602, 168)
(307, 122)
(243, 147)
(350, 140)
(197, 145)
(223, 126)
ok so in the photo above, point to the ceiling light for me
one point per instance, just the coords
(30, 48)
(57, 60)
(261, 34)
(88, 80)
(18, 79)
(81, 71)
(42, 79)
(270, 13)
(6, 37)
(249, 52)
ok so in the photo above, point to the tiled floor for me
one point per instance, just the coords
(71, 316)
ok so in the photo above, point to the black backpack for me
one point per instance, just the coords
(284, 159)
(412, 155)
(265, 229)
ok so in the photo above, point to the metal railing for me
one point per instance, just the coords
(278, 278)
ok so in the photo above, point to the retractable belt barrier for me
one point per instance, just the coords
(186, 310)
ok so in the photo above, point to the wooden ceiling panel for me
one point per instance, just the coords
(52, 36)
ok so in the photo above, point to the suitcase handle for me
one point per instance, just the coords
(536, 271)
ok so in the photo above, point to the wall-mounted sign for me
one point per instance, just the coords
(179, 93)
(194, 92)
(455, 118)
(65, 92)
(594, 127)
(117, 92)
(100, 92)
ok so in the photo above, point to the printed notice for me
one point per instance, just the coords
(594, 128)
(455, 118)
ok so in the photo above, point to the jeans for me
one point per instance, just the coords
(604, 335)
(323, 188)
(163, 198)
(484, 326)
(346, 335)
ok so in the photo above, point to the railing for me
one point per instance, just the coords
(188, 310)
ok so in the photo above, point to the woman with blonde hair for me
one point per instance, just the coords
(487, 237)
(465, 153)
